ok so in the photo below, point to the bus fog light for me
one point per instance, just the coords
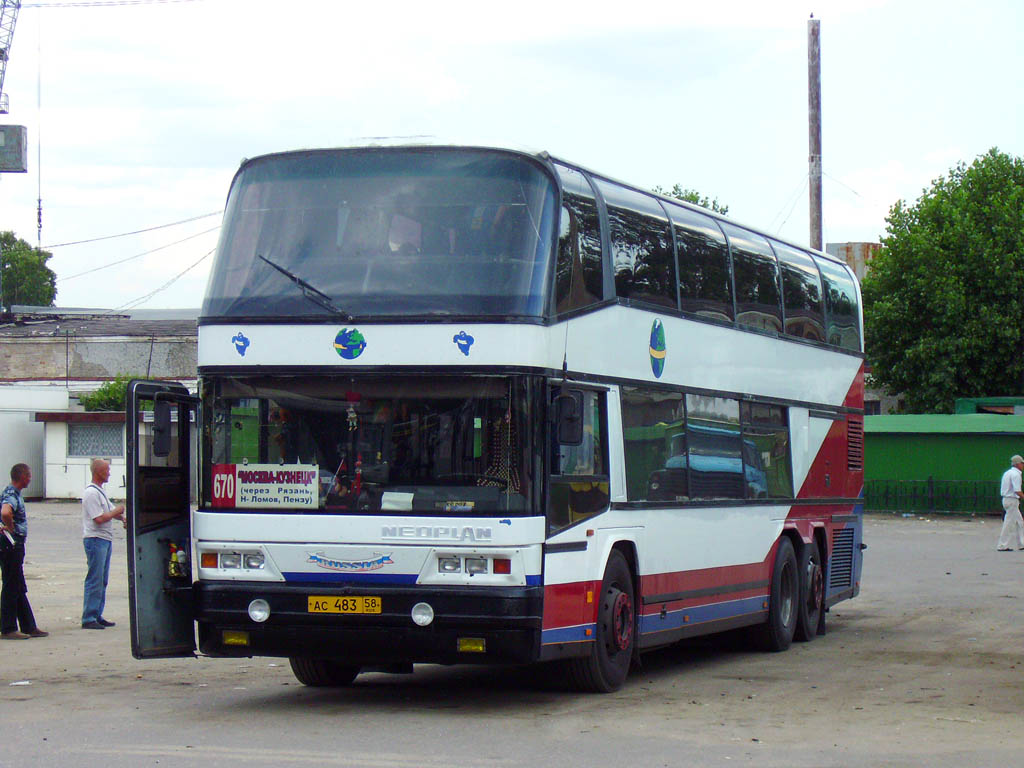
(259, 610)
(230, 560)
(234, 637)
(422, 614)
(448, 565)
(476, 565)
(471, 645)
(254, 561)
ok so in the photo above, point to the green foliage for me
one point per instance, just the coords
(693, 196)
(26, 278)
(109, 397)
(944, 299)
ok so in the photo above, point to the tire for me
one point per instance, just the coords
(322, 673)
(783, 604)
(812, 593)
(605, 667)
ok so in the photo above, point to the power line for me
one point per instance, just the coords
(143, 299)
(796, 200)
(843, 184)
(137, 255)
(104, 3)
(136, 232)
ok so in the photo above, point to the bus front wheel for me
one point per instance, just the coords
(605, 667)
(322, 673)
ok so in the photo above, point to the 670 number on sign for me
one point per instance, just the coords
(224, 485)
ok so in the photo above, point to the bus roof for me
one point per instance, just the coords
(384, 143)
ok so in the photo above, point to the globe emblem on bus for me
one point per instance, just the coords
(349, 343)
(657, 348)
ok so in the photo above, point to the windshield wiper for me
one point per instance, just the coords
(309, 291)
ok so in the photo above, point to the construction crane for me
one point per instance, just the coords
(8, 18)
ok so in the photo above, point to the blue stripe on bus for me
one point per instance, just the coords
(568, 634)
(359, 578)
(374, 578)
(700, 614)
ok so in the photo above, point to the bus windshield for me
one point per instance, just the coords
(367, 445)
(385, 233)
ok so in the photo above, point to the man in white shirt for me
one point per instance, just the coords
(1010, 489)
(98, 539)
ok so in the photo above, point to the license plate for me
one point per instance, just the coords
(328, 604)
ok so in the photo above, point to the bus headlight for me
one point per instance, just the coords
(476, 565)
(448, 565)
(230, 560)
(253, 560)
(422, 614)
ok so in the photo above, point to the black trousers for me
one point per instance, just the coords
(14, 605)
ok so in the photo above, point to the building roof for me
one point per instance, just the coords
(54, 322)
(939, 424)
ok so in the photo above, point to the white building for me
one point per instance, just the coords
(48, 357)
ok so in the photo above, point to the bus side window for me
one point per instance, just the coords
(641, 243)
(843, 312)
(756, 274)
(579, 473)
(705, 275)
(801, 294)
(579, 274)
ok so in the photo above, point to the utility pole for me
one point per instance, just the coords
(814, 127)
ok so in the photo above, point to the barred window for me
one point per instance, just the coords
(95, 440)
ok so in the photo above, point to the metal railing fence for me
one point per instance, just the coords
(933, 496)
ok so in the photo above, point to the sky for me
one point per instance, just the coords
(139, 114)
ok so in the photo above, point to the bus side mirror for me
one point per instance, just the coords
(161, 428)
(569, 417)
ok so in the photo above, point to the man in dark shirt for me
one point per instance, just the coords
(14, 605)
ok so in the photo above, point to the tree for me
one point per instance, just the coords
(110, 396)
(944, 299)
(26, 278)
(693, 196)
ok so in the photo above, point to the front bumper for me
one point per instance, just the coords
(507, 619)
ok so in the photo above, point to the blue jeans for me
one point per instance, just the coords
(97, 555)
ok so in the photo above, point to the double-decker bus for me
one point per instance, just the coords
(474, 405)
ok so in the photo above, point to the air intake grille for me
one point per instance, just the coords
(855, 443)
(841, 574)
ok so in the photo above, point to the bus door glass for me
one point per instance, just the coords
(579, 470)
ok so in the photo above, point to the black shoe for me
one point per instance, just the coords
(106, 623)
(92, 625)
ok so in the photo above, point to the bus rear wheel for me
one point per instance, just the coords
(605, 667)
(783, 603)
(812, 593)
(322, 673)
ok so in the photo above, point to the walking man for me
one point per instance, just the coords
(14, 605)
(1013, 525)
(98, 539)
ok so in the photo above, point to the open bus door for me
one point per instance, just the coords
(159, 520)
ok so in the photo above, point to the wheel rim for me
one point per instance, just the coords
(621, 635)
(787, 594)
(815, 585)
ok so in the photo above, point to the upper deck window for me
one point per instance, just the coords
(386, 232)
(758, 304)
(645, 266)
(705, 278)
(579, 274)
(841, 305)
(801, 294)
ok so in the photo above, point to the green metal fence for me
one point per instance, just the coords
(932, 496)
